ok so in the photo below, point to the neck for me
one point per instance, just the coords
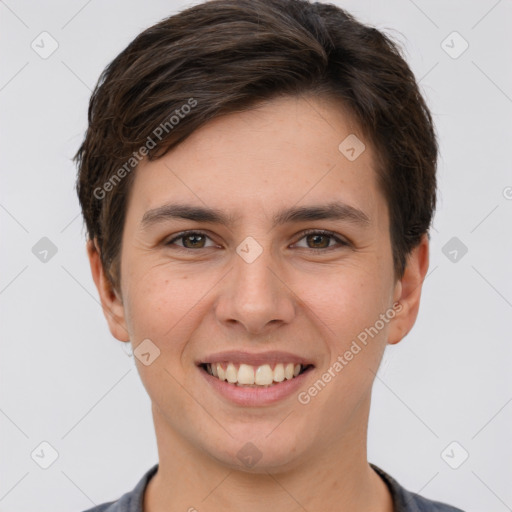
(338, 478)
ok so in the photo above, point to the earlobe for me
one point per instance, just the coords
(111, 302)
(408, 291)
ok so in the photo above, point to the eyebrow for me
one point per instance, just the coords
(329, 211)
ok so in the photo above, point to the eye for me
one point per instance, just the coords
(191, 240)
(320, 239)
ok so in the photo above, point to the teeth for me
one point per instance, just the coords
(264, 375)
(288, 371)
(231, 373)
(279, 373)
(248, 375)
(245, 374)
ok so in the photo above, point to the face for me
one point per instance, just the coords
(289, 262)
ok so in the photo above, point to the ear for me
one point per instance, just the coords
(111, 301)
(408, 291)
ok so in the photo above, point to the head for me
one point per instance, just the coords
(250, 108)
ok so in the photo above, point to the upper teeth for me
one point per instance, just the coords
(259, 375)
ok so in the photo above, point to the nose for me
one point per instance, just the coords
(255, 296)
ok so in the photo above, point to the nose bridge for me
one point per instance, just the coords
(255, 296)
(254, 280)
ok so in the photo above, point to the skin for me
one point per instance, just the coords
(297, 296)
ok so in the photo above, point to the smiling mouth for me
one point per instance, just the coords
(246, 375)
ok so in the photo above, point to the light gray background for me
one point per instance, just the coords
(66, 381)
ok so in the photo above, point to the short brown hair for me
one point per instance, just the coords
(224, 56)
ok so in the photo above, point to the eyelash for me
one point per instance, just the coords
(322, 232)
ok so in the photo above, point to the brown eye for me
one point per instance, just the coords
(321, 240)
(190, 240)
(195, 241)
(318, 241)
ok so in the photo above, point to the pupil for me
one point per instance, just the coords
(193, 237)
(318, 236)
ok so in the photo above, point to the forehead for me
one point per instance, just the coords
(291, 150)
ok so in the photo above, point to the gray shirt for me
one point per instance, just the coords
(404, 501)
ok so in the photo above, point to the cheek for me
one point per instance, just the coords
(159, 306)
(345, 301)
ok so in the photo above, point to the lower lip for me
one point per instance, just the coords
(253, 397)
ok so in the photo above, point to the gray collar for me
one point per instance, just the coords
(403, 500)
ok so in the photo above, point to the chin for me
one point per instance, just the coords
(259, 454)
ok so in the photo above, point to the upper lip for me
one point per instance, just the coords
(255, 359)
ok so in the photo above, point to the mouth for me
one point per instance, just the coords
(248, 379)
(255, 376)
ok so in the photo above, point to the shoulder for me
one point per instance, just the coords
(406, 501)
(131, 501)
(104, 507)
(425, 505)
